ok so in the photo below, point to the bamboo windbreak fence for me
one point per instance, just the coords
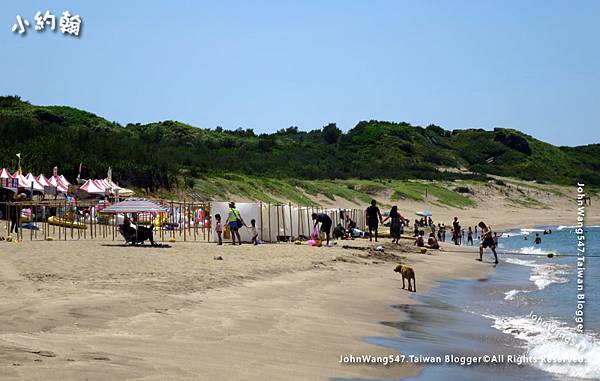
(184, 221)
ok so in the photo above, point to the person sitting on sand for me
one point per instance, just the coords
(351, 224)
(325, 222)
(432, 243)
(219, 228)
(373, 217)
(487, 240)
(470, 236)
(538, 239)
(420, 240)
(339, 232)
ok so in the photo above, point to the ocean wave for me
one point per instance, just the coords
(561, 227)
(532, 230)
(510, 295)
(554, 339)
(522, 262)
(533, 250)
(543, 274)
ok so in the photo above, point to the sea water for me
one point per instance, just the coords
(528, 307)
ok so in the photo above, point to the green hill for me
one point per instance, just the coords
(158, 155)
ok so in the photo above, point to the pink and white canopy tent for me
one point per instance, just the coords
(104, 186)
(29, 182)
(93, 187)
(6, 180)
(58, 183)
(33, 183)
(43, 181)
(64, 180)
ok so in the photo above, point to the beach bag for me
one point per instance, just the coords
(238, 219)
(226, 232)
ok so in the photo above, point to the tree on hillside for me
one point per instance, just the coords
(331, 133)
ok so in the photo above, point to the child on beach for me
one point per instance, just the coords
(219, 228)
(420, 241)
(253, 232)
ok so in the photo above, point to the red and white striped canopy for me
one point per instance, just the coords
(43, 181)
(93, 187)
(29, 182)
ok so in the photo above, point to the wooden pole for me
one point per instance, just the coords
(291, 224)
(270, 238)
(261, 222)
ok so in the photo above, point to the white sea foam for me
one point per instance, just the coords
(561, 227)
(522, 262)
(527, 231)
(533, 250)
(510, 295)
(543, 274)
(554, 340)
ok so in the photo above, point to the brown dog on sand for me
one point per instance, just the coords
(407, 273)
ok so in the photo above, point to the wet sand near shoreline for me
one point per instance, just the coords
(98, 310)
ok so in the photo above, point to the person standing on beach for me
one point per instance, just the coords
(235, 221)
(456, 231)
(219, 228)
(374, 218)
(395, 224)
(325, 222)
(443, 228)
(487, 240)
(13, 215)
(470, 236)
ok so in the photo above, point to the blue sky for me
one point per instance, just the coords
(266, 65)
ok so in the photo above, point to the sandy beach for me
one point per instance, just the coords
(97, 310)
